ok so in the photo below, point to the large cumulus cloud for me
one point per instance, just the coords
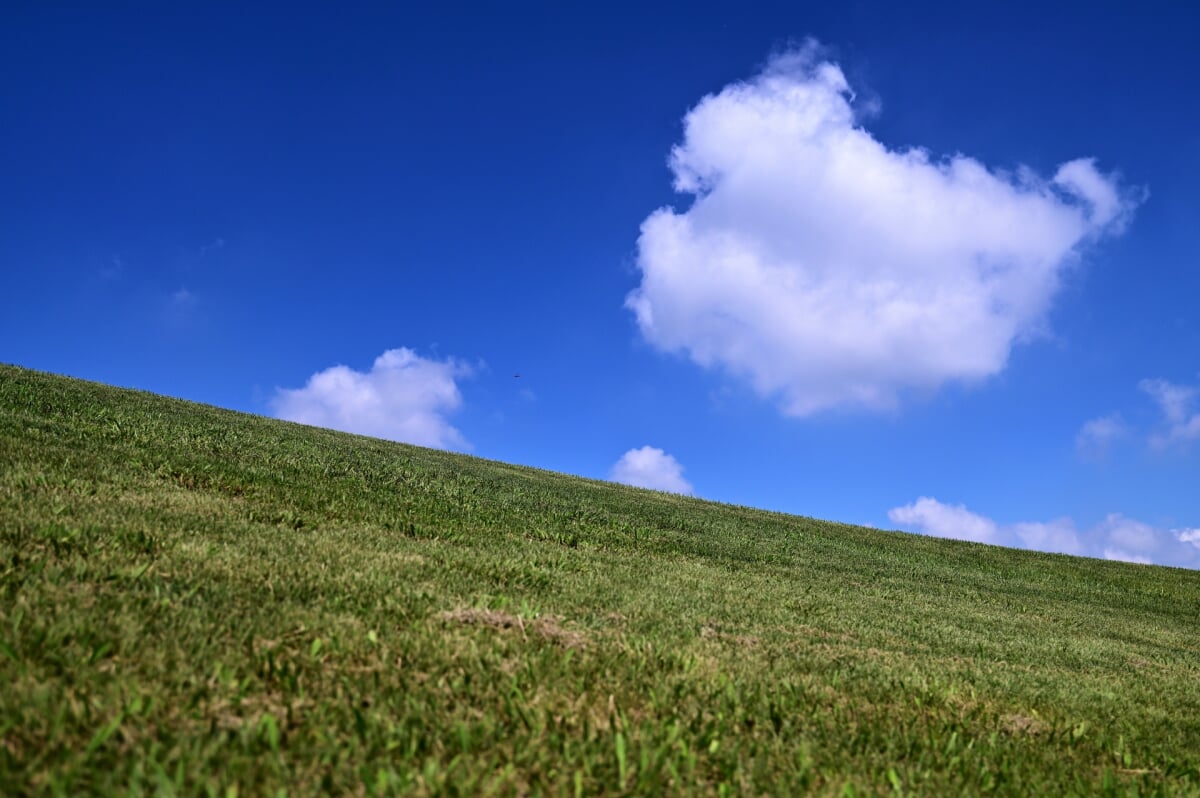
(829, 270)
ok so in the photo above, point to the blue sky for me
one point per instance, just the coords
(926, 268)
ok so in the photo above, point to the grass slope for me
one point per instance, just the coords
(199, 601)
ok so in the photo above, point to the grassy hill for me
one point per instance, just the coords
(204, 602)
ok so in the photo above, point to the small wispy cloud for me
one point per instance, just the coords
(1097, 436)
(113, 269)
(650, 467)
(180, 310)
(1178, 423)
(1117, 537)
(212, 246)
(1181, 420)
(195, 257)
(403, 397)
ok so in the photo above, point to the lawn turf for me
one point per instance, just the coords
(199, 601)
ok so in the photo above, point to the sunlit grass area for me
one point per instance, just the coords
(198, 601)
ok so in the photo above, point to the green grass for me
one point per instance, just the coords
(198, 601)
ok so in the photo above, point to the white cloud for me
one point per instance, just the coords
(1106, 207)
(1115, 538)
(113, 269)
(1175, 400)
(404, 397)
(180, 309)
(650, 467)
(1058, 536)
(1177, 403)
(827, 269)
(212, 246)
(1097, 435)
(931, 517)
(1128, 534)
(1124, 556)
